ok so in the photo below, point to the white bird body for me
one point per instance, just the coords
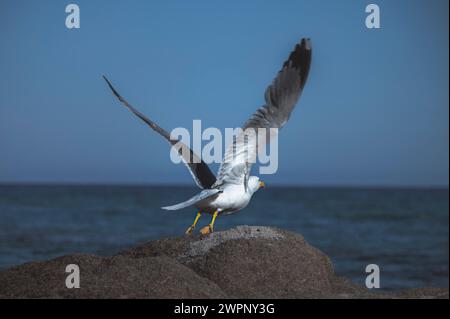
(232, 199)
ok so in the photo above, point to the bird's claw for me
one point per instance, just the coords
(206, 230)
(190, 230)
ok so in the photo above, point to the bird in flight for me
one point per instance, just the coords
(233, 187)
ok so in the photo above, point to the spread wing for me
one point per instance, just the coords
(281, 97)
(200, 172)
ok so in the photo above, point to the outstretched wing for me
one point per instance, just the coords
(281, 97)
(201, 173)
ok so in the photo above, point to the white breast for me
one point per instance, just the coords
(232, 199)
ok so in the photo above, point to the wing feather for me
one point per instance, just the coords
(199, 170)
(281, 97)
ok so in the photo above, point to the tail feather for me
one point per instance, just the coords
(193, 200)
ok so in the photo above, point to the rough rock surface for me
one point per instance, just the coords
(243, 262)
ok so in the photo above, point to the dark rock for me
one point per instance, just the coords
(243, 262)
(114, 277)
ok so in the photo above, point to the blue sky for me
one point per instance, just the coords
(374, 112)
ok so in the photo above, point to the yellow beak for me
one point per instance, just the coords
(261, 184)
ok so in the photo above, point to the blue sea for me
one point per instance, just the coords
(404, 231)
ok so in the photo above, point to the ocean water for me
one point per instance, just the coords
(405, 232)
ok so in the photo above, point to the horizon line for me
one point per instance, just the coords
(276, 185)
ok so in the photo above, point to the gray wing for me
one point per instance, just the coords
(281, 97)
(200, 172)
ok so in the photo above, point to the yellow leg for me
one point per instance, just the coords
(210, 228)
(191, 228)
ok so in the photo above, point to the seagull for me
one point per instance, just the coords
(233, 187)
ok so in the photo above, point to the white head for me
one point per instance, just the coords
(254, 183)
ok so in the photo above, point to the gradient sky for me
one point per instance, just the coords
(374, 112)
